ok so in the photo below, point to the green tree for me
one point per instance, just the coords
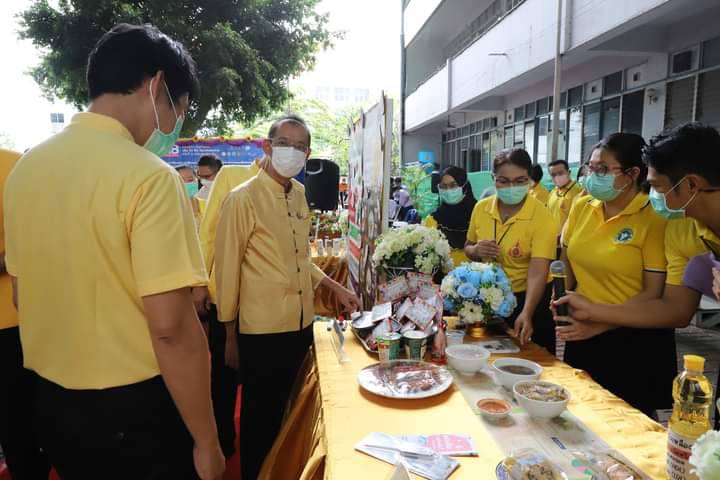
(6, 141)
(245, 49)
(329, 127)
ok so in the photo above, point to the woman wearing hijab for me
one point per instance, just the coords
(406, 211)
(453, 216)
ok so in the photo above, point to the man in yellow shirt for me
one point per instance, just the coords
(207, 169)
(102, 248)
(223, 379)
(562, 196)
(266, 284)
(537, 189)
(22, 453)
(685, 179)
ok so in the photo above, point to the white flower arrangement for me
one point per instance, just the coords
(413, 248)
(706, 456)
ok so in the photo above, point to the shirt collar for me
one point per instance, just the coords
(704, 232)
(639, 202)
(526, 212)
(561, 192)
(101, 122)
(270, 183)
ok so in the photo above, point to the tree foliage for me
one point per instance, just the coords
(245, 49)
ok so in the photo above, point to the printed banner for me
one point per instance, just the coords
(232, 151)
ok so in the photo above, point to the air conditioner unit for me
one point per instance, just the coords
(684, 61)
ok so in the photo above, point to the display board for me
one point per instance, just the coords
(232, 151)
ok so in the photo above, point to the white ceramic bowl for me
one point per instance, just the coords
(541, 408)
(467, 358)
(507, 379)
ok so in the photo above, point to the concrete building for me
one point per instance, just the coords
(478, 74)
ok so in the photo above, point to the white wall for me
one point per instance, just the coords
(416, 14)
(414, 143)
(428, 101)
(591, 18)
(476, 72)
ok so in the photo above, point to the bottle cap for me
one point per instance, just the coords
(695, 363)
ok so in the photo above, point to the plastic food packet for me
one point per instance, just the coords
(530, 464)
(609, 465)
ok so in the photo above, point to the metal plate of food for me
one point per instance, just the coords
(405, 379)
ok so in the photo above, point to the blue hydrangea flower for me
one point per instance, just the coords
(467, 290)
(488, 276)
(448, 305)
(474, 277)
(504, 310)
(461, 273)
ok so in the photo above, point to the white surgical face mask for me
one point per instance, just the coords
(287, 161)
(205, 182)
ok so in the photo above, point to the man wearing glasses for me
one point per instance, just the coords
(266, 284)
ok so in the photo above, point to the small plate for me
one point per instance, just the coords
(405, 379)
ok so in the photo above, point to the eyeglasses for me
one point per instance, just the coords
(448, 186)
(284, 143)
(503, 182)
(602, 170)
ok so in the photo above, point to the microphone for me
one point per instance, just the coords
(557, 270)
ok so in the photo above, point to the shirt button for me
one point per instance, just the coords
(289, 214)
(299, 292)
(298, 269)
(297, 251)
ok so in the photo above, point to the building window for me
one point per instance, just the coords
(361, 95)
(708, 106)
(342, 94)
(610, 117)
(509, 137)
(531, 110)
(543, 106)
(519, 136)
(543, 140)
(575, 96)
(57, 118)
(591, 128)
(574, 136)
(530, 138)
(633, 105)
(679, 104)
(711, 53)
(612, 84)
(520, 113)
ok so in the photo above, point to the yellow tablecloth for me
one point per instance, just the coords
(346, 413)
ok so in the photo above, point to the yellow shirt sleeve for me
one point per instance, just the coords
(317, 275)
(163, 239)
(654, 248)
(544, 239)
(430, 222)
(208, 226)
(676, 259)
(235, 225)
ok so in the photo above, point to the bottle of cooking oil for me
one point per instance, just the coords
(693, 395)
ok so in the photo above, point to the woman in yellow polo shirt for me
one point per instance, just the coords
(456, 206)
(515, 230)
(613, 245)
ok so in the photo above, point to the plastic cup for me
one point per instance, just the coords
(415, 344)
(455, 337)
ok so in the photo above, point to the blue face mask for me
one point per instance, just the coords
(452, 196)
(659, 202)
(161, 143)
(512, 195)
(602, 188)
(191, 188)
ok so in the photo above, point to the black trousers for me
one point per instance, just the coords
(134, 431)
(543, 323)
(223, 383)
(22, 453)
(269, 365)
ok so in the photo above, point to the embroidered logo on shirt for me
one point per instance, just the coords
(624, 235)
(515, 251)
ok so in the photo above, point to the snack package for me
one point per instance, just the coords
(395, 289)
(415, 279)
(528, 464)
(609, 465)
(403, 310)
(421, 314)
(382, 311)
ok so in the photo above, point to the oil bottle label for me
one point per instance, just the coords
(678, 453)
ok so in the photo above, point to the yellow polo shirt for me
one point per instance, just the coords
(683, 241)
(8, 314)
(457, 254)
(229, 177)
(540, 193)
(609, 257)
(94, 223)
(561, 201)
(265, 278)
(530, 233)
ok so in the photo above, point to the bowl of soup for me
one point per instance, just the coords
(541, 399)
(509, 371)
(467, 358)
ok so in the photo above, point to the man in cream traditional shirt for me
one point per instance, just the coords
(266, 284)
